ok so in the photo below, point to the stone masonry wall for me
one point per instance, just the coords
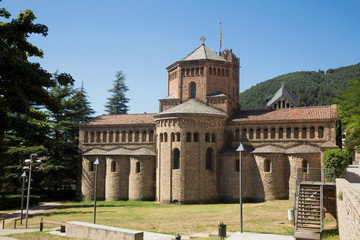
(348, 210)
(117, 180)
(142, 178)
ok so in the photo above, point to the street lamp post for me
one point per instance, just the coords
(30, 162)
(22, 196)
(96, 163)
(240, 149)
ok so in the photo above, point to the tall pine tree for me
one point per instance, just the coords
(117, 103)
(70, 109)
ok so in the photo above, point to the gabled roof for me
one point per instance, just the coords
(203, 52)
(193, 106)
(95, 151)
(116, 119)
(172, 96)
(285, 93)
(303, 149)
(121, 151)
(301, 113)
(269, 149)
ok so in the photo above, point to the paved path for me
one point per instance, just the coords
(352, 175)
(33, 210)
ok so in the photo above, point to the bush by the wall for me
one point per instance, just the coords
(337, 159)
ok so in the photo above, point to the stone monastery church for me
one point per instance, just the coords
(186, 153)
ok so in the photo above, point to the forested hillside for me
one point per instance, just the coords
(313, 88)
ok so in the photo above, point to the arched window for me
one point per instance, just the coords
(91, 166)
(111, 136)
(237, 134)
(258, 131)
(98, 136)
(237, 165)
(218, 72)
(161, 137)
(251, 133)
(303, 132)
(143, 136)
(210, 70)
(202, 71)
(273, 133)
(183, 72)
(113, 166)
(243, 133)
(123, 136)
(312, 132)
(296, 132)
(197, 71)
(130, 136)
(207, 137)
(178, 137)
(187, 72)
(227, 72)
(196, 137)
(92, 137)
(321, 132)
(137, 136)
(288, 132)
(213, 137)
(267, 165)
(209, 160)
(188, 137)
(151, 136)
(176, 159)
(104, 136)
(165, 137)
(192, 72)
(222, 72)
(137, 167)
(305, 166)
(192, 90)
(172, 137)
(281, 133)
(86, 136)
(117, 136)
(266, 133)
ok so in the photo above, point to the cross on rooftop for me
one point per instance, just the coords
(203, 39)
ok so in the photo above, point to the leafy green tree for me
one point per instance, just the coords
(337, 159)
(313, 88)
(70, 109)
(117, 103)
(23, 85)
(349, 113)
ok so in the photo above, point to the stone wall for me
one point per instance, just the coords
(142, 178)
(348, 210)
(192, 137)
(117, 178)
(88, 176)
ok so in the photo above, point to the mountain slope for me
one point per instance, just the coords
(313, 88)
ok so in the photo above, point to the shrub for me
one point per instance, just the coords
(337, 159)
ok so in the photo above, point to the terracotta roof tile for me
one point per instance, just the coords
(146, 118)
(301, 113)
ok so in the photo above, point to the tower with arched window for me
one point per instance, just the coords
(207, 76)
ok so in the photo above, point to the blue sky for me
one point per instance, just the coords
(92, 40)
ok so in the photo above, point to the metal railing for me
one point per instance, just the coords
(319, 175)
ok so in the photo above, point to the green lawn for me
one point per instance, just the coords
(267, 217)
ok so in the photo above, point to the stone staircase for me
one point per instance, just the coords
(309, 208)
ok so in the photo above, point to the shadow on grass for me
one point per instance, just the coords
(332, 233)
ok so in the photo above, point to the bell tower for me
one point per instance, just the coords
(206, 76)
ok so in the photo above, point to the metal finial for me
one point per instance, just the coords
(203, 39)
